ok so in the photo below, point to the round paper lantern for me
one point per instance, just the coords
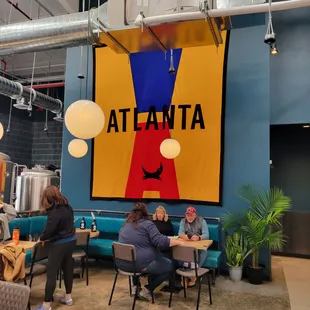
(170, 148)
(84, 119)
(1, 131)
(77, 148)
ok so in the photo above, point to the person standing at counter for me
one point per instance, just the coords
(60, 231)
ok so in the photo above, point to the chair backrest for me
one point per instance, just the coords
(14, 296)
(185, 254)
(40, 251)
(123, 251)
(82, 238)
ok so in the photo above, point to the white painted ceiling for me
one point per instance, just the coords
(47, 63)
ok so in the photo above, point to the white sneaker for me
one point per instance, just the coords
(144, 295)
(133, 292)
(66, 301)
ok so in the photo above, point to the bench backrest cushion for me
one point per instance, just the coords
(37, 224)
(110, 225)
(22, 223)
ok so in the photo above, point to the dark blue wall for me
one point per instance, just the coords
(246, 128)
(290, 69)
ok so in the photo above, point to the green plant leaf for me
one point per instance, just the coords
(259, 226)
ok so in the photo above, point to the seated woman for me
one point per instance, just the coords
(139, 231)
(164, 226)
(162, 222)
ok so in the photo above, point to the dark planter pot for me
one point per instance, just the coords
(256, 275)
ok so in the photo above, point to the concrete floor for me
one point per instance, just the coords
(297, 275)
(290, 284)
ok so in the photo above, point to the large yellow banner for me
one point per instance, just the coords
(145, 103)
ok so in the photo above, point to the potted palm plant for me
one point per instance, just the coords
(236, 249)
(260, 224)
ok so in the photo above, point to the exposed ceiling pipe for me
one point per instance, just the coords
(230, 11)
(44, 79)
(50, 85)
(39, 67)
(82, 28)
(16, 91)
(53, 32)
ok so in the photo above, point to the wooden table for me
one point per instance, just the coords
(93, 234)
(27, 245)
(199, 245)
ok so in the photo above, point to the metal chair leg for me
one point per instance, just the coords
(113, 287)
(136, 295)
(152, 294)
(184, 287)
(199, 290)
(130, 290)
(213, 277)
(87, 279)
(31, 278)
(60, 276)
(210, 292)
(171, 292)
(83, 266)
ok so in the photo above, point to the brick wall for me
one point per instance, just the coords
(18, 142)
(27, 143)
(46, 146)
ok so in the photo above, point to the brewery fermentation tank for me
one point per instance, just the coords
(29, 188)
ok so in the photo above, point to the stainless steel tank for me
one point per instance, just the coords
(29, 188)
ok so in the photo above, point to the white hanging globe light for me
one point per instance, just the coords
(170, 148)
(1, 131)
(77, 148)
(84, 119)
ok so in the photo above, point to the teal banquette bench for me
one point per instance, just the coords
(109, 228)
(29, 227)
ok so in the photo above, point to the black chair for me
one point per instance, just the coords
(39, 254)
(126, 252)
(82, 240)
(190, 254)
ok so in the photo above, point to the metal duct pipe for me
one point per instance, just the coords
(53, 32)
(43, 79)
(229, 11)
(16, 91)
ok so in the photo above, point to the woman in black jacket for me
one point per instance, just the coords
(162, 222)
(60, 232)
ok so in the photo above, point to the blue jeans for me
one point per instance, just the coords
(159, 270)
(201, 257)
